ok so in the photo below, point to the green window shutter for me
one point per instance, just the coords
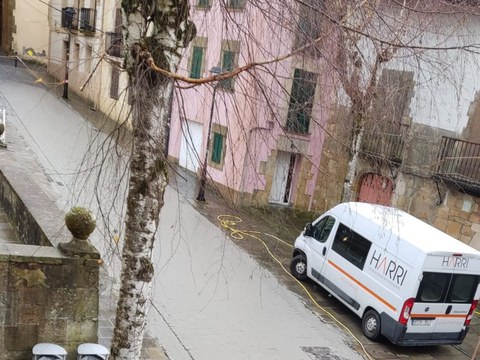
(235, 4)
(228, 64)
(203, 3)
(217, 148)
(301, 101)
(197, 59)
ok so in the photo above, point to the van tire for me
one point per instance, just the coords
(298, 267)
(371, 325)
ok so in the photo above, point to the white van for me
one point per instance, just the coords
(407, 281)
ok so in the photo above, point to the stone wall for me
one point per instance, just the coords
(45, 296)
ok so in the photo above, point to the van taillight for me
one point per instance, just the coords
(470, 312)
(406, 309)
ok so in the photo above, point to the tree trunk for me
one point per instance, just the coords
(356, 146)
(154, 33)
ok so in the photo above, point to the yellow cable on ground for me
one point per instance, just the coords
(228, 221)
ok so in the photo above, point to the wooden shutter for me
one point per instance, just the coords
(118, 21)
(115, 82)
(217, 148)
(197, 60)
(228, 64)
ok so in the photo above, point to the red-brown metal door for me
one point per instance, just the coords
(375, 189)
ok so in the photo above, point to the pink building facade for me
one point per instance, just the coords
(264, 127)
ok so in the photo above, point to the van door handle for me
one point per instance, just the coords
(449, 308)
(324, 251)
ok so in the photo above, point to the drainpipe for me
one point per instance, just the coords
(313, 191)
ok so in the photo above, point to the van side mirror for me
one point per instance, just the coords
(308, 230)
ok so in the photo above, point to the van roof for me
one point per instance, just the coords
(392, 224)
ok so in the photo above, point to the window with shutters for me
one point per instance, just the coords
(217, 146)
(197, 62)
(205, 4)
(309, 26)
(301, 101)
(115, 81)
(229, 62)
(217, 149)
(114, 44)
(236, 4)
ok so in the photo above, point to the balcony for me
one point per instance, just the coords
(69, 18)
(386, 145)
(114, 44)
(458, 164)
(87, 20)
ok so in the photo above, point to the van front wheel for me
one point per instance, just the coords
(371, 325)
(298, 267)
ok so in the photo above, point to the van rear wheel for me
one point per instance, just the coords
(371, 324)
(298, 267)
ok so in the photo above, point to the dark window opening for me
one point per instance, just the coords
(447, 288)
(301, 101)
(322, 229)
(352, 246)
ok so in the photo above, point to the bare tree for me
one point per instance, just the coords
(154, 33)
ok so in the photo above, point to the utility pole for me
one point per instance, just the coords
(203, 175)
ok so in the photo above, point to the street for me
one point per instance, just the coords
(212, 301)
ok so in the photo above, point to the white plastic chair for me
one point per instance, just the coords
(48, 351)
(90, 351)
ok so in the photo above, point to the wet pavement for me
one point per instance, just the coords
(267, 236)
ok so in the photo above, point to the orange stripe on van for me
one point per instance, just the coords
(382, 300)
(421, 316)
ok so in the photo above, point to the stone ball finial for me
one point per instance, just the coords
(80, 222)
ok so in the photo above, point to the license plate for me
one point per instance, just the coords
(421, 322)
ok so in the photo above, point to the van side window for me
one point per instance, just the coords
(322, 229)
(352, 246)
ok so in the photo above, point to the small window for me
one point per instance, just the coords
(236, 4)
(203, 3)
(322, 229)
(197, 62)
(310, 18)
(115, 82)
(352, 246)
(301, 101)
(228, 64)
(217, 151)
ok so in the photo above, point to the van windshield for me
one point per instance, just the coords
(447, 288)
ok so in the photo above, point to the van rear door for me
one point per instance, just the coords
(443, 302)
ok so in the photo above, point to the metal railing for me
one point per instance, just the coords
(459, 161)
(388, 146)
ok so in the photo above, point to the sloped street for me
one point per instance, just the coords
(220, 289)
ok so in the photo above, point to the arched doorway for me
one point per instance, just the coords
(375, 189)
